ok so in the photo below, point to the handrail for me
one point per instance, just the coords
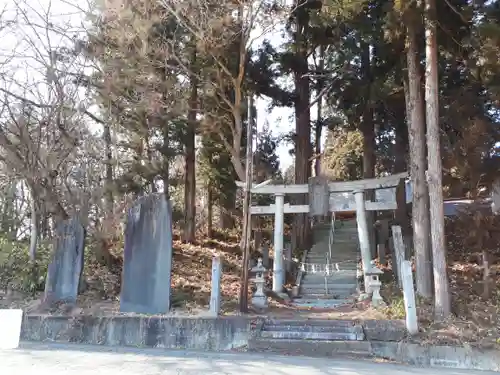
(329, 253)
(332, 235)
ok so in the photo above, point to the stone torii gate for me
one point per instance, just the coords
(325, 197)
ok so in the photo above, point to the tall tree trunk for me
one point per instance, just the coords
(302, 128)
(319, 123)
(247, 202)
(400, 165)
(44, 227)
(149, 154)
(190, 173)
(34, 227)
(227, 208)
(9, 223)
(401, 159)
(416, 136)
(210, 212)
(368, 131)
(165, 149)
(109, 200)
(166, 160)
(442, 301)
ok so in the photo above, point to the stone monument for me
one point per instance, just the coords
(147, 257)
(65, 269)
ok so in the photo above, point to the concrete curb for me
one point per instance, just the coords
(437, 356)
(398, 352)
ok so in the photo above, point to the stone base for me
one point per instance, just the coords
(260, 302)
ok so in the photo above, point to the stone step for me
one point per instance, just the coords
(321, 302)
(311, 282)
(334, 267)
(313, 348)
(291, 335)
(316, 284)
(311, 326)
(320, 275)
(319, 325)
(335, 274)
(336, 253)
(341, 277)
(331, 286)
(338, 323)
(336, 259)
(333, 294)
(335, 299)
(351, 258)
(336, 248)
(342, 267)
(323, 260)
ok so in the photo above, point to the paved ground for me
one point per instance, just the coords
(39, 359)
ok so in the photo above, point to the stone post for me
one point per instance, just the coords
(399, 252)
(409, 298)
(279, 223)
(215, 292)
(363, 232)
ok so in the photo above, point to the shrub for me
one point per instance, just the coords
(17, 271)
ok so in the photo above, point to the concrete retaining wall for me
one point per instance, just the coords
(384, 339)
(213, 334)
(437, 356)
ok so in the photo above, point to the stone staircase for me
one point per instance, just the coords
(339, 285)
(312, 338)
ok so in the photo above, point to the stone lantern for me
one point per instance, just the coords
(259, 299)
(374, 284)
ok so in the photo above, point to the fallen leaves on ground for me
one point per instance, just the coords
(190, 280)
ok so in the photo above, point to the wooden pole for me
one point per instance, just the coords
(246, 211)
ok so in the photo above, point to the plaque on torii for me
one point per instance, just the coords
(319, 196)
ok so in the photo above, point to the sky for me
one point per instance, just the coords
(280, 119)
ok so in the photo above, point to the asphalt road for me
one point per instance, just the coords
(51, 359)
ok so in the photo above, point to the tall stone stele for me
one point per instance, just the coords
(148, 257)
(65, 270)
